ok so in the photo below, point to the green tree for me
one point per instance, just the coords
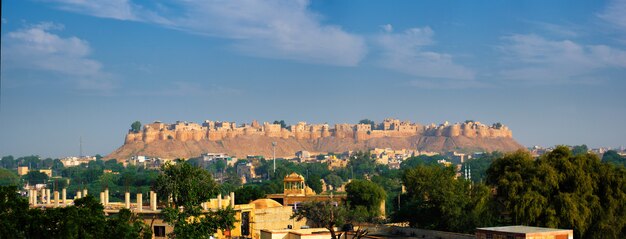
(8, 162)
(126, 225)
(185, 184)
(414, 161)
(436, 200)
(313, 181)
(333, 180)
(13, 213)
(135, 126)
(361, 164)
(365, 194)
(478, 166)
(188, 187)
(247, 194)
(613, 157)
(562, 190)
(326, 214)
(33, 161)
(35, 177)
(580, 149)
(8, 177)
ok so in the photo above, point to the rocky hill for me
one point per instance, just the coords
(185, 140)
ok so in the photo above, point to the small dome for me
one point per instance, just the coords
(265, 203)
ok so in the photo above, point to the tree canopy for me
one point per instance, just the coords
(613, 157)
(135, 126)
(188, 187)
(436, 200)
(365, 196)
(326, 214)
(84, 219)
(561, 190)
(8, 177)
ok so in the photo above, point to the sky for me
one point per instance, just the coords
(553, 71)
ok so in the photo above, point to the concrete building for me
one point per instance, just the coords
(523, 232)
(22, 170)
(309, 233)
(76, 161)
(46, 172)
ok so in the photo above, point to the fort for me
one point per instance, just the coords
(187, 139)
(217, 130)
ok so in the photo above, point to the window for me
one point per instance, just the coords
(159, 231)
(489, 236)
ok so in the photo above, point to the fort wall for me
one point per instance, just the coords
(217, 130)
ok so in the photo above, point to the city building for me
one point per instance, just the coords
(22, 170)
(76, 161)
(307, 233)
(523, 232)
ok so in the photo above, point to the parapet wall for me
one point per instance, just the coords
(216, 131)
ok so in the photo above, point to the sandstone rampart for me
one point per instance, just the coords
(389, 128)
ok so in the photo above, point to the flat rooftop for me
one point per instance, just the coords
(523, 229)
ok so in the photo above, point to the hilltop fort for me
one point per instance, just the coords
(187, 139)
(216, 131)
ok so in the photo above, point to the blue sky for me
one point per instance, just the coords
(553, 71)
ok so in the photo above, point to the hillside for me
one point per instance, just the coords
(287, 147)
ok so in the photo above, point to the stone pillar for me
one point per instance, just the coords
(30, 197)
(127, 200)
(35, 197)
(153, 201)
(48, 198)
(56, 198)
(64, 196)
(106, 196)
(78, 195)
(139, 202)
(43, 196)
(219, 201)
(102, 199)
(232, 199)
(85, 192)
(204, 206)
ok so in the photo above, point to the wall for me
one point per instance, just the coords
(215, 131)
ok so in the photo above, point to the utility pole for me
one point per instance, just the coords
(274, 150)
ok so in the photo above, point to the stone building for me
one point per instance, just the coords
(523, 232)
(295, 191)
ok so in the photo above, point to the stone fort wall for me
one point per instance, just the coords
(217, 130)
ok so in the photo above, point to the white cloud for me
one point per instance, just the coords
(404, 52)
(282, 29)
(387, 28)
(535, 59)
(37, 48)
(116, 9)
(181, 88)
(615, 13)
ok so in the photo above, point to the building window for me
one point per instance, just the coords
(489, 236)
(159, 231)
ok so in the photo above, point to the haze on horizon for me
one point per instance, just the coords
(554, 72)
